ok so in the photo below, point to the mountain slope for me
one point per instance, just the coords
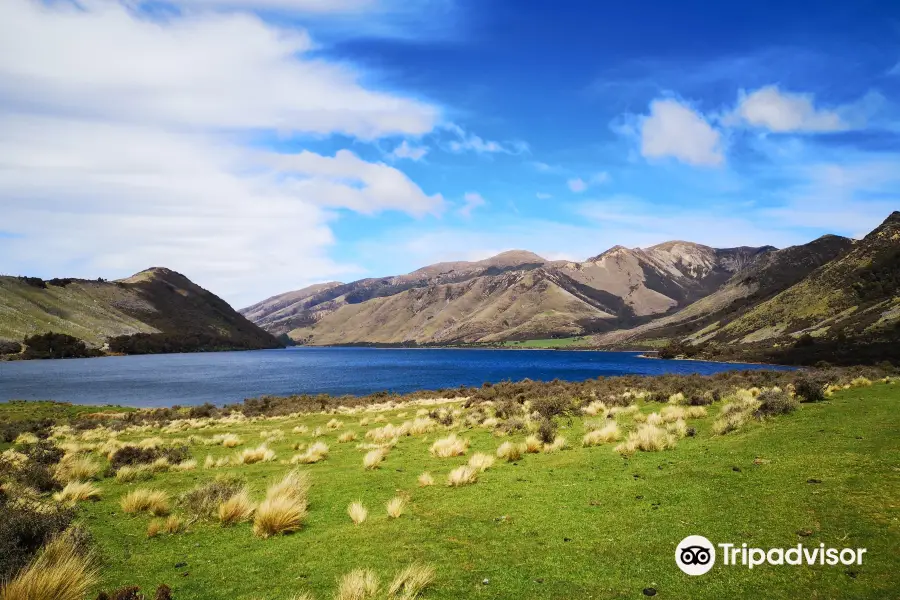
(158, 303)
(855, 295)
(514, 295)
(758, 280)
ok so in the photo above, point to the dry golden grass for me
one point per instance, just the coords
(300, 429)
(510, 451)
(250, 456)
(357, 512)
(677, 428)
(373, 458)
(295, 485)
(425, 479)
(559, 443)
(155, 502)
(533, 444)
(153, 528)
(386, 434)
(411, 582)
(130, 473)
(77, 491)
(646, 438)
(76, 467)
(395, 507)
(172, 524)
(277, 515)
(230, 440)
(481, 461)
(655, 419)
(606, 434)
(316, 452)
(347, 436)
(449, 446)
(185, 465)
(26, 438)
(421, 426)
(58, 572)
(359, 584)
(237, 509)
(334, 424)
(464, 475)
(676, 398)
(861, 382)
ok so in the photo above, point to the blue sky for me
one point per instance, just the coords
(260, 146)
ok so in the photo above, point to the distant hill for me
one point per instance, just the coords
(156, 310)
(515, 295)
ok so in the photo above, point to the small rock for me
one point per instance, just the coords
(804, 532)
(485, 581)
(649, 591)
(567, 539)
(736, 469)
(813, 481)
(638, 497)
(852, 574)
(180, 565)
(185, 574)
(539, 580)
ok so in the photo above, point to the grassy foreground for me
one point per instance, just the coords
(578, 523)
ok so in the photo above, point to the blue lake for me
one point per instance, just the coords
(223, 377)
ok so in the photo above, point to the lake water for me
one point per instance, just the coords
(223, 377)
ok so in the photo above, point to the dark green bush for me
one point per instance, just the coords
(24, 529)
(134, 455)
(547, 430)
(203, 501)
(810, 387)
(775, 402)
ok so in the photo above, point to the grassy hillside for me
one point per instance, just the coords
(573, 523)
(156, 305)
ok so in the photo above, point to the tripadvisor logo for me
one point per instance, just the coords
(696, 555)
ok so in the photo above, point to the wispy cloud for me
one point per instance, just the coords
(405, 150)
(471, 201)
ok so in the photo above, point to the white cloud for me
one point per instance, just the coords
(301, 6)
(469, 142)
(204, 70)
(577, 185)
(404, 150)
(781, 112)
(124, 145)
(674, 129)
(472, 200)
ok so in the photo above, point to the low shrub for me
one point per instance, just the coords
(810, 388)
(203, 500)
(24, 528)
(775, 402)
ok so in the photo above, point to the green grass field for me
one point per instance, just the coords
(578, 523)
(549, 343)
(22, 410)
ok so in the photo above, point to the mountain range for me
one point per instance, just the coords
(733, 300)
(833, 298)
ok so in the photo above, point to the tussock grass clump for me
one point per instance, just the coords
(594, 408)
(76, 467)
(533, 444)
(347, 436)
(386, 434)
(421, 426)
(153, 528)
(395, 507)
(77, 491)
(654, 419)
(236, 509)
(357, 512)
(677, 428)
(230, 440)
(128, 474)
(606, 434)
(646, 438)
(215, 463)
(285, 508)
(271, 435)
(411, 582)
(185, 465)
(300, 429)
(558, 443)
(373, 459)
(425, 479)
(155, 502)
(449, 446)
(510, 451)
(334, 424)
(58, 572)
(359, 584)
(481, 461)
(172, 525)
(250, 456)
(677, 398)
(464, 475)
(278, 515)
(736, 413)
(316, 452)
